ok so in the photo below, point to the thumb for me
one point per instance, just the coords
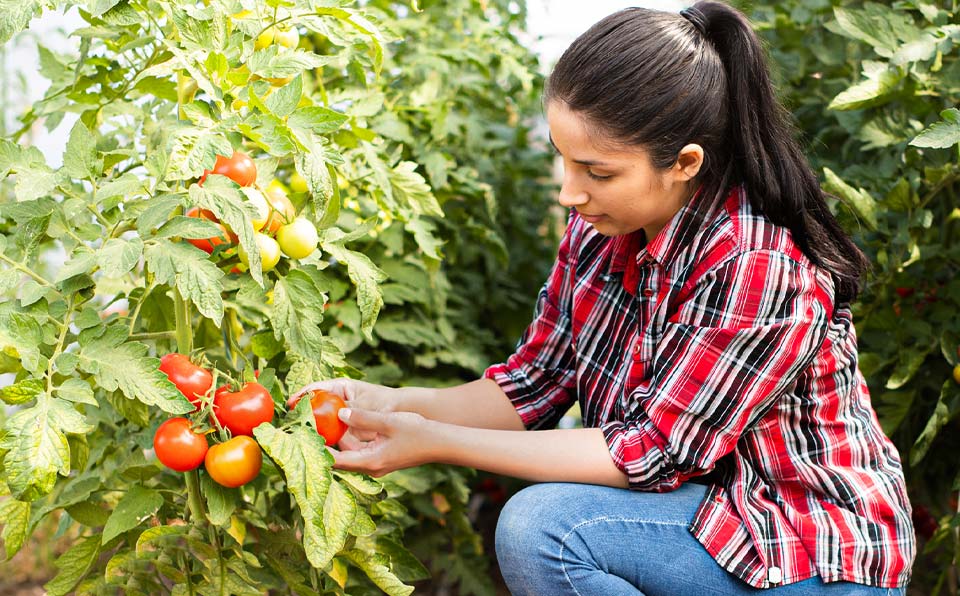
(364, 419)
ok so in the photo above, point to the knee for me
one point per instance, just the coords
(529, 521)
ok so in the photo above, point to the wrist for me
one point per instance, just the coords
(413, 399)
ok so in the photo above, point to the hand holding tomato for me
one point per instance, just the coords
(178, 447)
(403, 440)
(326, 407)
(242, 411)
(235, 462)
(356, 394)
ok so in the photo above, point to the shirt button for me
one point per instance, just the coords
(774, 575)
(647, 292)
(636, 349)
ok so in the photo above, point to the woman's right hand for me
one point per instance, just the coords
(357, 394)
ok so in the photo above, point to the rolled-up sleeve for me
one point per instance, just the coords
(746, 332)
(540, 376)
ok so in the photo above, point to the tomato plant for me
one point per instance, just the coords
(298, 239)
(269, 252)
(178, 447)
(193, 381)
(326, 407)
(208, 245)
(282, 211)
(242, 411)
(234, 462)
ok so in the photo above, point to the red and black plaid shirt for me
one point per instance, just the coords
(716, 351)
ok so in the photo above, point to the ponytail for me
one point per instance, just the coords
(661, 80)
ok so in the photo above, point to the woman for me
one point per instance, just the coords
(699, 311)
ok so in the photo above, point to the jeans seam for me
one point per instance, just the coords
(563, 541)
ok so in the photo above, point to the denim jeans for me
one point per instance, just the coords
(555, 539)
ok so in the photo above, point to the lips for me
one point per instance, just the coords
(590, 218)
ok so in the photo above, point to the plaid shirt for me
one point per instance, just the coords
(716, 351)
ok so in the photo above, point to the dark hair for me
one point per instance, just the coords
(662, 80)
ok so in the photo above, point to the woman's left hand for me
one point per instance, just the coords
(403, 440)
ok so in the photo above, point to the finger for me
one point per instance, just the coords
(338, 386)
(355, 461)
(352, 441)
(365, 420)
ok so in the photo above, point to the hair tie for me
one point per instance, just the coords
(695, 16)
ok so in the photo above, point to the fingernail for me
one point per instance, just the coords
(344, 414)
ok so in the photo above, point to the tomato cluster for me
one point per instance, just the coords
(182, 446)
(277, 228)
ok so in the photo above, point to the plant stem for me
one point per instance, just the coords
(23, 268)
(184, 333)
(64, 327)
(153, 335)
(194, 501)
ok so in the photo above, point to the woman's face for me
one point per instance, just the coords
(617, 190)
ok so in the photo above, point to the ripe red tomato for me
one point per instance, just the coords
(178, 447)
(298, 239)
(239, 168)
(208, 244)
(192, 380)
(241, 411)
(235, 462)
(325, 406)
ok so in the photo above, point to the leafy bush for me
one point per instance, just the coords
(400, 132)
(875, 89)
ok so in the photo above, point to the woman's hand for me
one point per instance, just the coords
(401, 440)
(357, 394)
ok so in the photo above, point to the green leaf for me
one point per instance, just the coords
(36, 445)
(366, 277)
(150, 536)
(189, 270)
(403, 562)
(316, 119)
(77, 391)
(189, 227)
(231, 207)
(23, 333)
(408, 185)
(74, 566)
(297, 312)
(878, 26)
(424, 232)
(221, 501)
(80, 154)
(15, 517)
(943, 134)
(133, 509)
(312, 165)
(908, 365)
(940, 416)
(88, 514)
(880, 83)
(119, 364)
(272, 63)
(194, 149)
(15, 14)
(862, 203)
(22, 392)
(306, 465)
(118, 256)
(375, 565)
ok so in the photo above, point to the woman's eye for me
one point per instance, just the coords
(598, 177)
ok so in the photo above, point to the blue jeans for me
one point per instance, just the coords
(555, 539)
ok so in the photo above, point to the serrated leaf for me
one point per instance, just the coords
(943, 134)
(119, 364)
(80, 154)
(272, 63)
(220, 196)
(880, 83)
(306, 465)
(314, 169)
(317, 119)
(118, 256)
(14, 16)
(193, 149)
(188, 269)
(408, 185)
(221, 501)
(133, 509)
(23, 333)
(74, 566)
(877, 25)
(158, 534)
(375, 565)
(366, 277)
(15, 517)
(863, 204)
(940, 416)
(424, 232)
(403, 562)
(297, 313)
(157, 212)
(77, 391)
(22, 392)
(188, 227)
(36, 446)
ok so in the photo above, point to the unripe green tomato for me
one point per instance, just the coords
(269, 252)
(298, 239)
(265, 38)
(956, 373)
(298, 183)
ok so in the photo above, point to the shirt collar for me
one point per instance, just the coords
(632, 249)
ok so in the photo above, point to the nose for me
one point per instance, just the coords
(571, 194)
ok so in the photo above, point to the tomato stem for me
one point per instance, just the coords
(195, 506)
(184, 332)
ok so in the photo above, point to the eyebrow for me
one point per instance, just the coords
(583, 162)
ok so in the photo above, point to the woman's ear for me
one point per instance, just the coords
(689, 161)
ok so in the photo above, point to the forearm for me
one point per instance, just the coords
(566, 455)
(478, 404)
